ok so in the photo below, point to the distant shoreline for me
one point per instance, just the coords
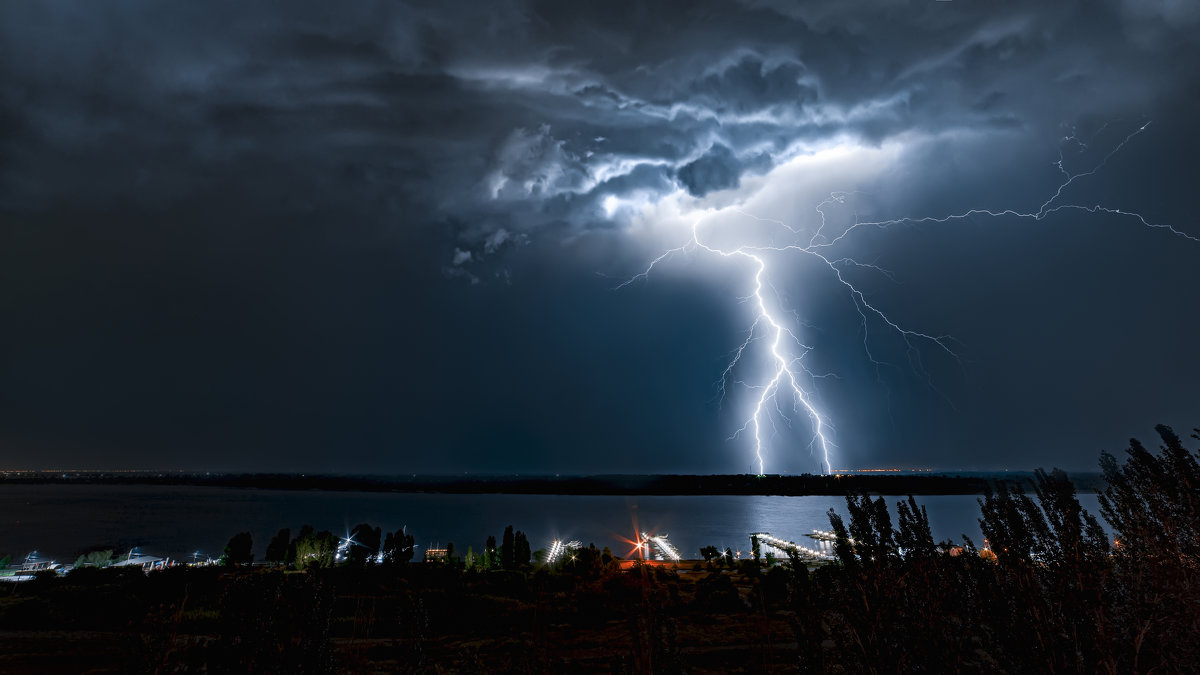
(614, 485)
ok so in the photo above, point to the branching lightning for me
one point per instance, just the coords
(790, 381)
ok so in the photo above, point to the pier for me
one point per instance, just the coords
(765, 539)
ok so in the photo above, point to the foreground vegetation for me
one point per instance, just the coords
(1047, 593)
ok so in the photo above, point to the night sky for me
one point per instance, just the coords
(390, 237)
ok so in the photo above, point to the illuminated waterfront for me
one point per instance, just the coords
(177, 521)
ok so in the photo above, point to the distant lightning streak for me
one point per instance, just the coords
(788, 372)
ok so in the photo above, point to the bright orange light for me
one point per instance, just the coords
(634, 547)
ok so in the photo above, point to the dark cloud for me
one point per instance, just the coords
(438, 104)
(716, 170)
(380, 225)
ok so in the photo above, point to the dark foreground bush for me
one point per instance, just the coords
(1047, 593)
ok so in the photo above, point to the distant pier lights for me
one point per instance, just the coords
(767, 543)
(558, 549)
(660, 546)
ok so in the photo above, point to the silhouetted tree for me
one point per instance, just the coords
(305, 532)
(365, 544)
(277, 548)
(398, 547)
(508, 552)
(239, 550)
(521, 551)
(1016, 531)
(491, 558)
(314, 549)
(1153, 503)
(914, 538)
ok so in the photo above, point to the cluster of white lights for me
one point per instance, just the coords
(343, 550)
(664, 548)
(827, 535)
(790, 546)
(559, 548)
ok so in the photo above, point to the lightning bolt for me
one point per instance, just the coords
(789, 376)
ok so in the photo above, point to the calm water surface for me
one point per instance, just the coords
(61, 521)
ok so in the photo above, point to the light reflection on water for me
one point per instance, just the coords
(63, 520)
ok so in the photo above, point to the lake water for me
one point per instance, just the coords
(60, 521)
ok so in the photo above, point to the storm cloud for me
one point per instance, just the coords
(393, 228)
